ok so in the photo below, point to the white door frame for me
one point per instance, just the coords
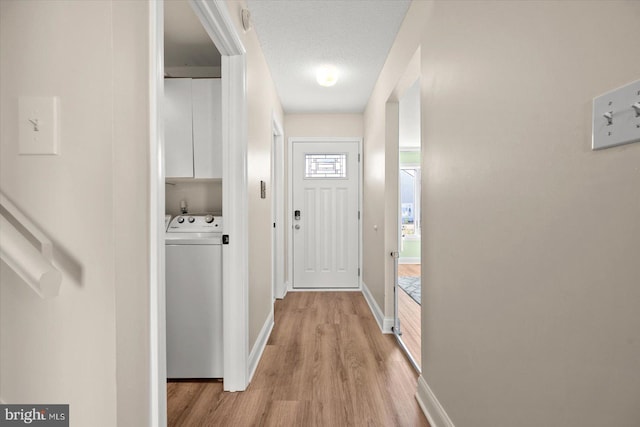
(215, 19)
(278, 287)
(289, 221)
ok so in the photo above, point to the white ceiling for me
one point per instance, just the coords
(185, 41)
(298, 36)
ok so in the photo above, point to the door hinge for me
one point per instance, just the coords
(358, 157)
(358, 214)
(358, 271)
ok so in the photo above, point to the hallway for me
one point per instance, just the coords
(326, 363)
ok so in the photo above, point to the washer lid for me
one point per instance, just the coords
(195, 223)
(193, 239)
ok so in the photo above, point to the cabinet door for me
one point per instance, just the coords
(207, 128)
(178, 128)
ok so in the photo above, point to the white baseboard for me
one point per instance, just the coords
(409, 260)
(285, 288)
(387, 325)
(261, 343)
(323, 289)
(384, 324)
(432, 409)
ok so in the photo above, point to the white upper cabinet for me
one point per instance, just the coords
(207, 128)
(178, 130)
(193, 128)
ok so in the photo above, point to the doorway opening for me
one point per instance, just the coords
(404, 206)
(214, 18)
(408, 281)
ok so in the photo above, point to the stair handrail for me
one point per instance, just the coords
(34, 265)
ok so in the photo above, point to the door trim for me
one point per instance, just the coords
(278, 287)
(157, 315)
(215, 19)
(289, 221)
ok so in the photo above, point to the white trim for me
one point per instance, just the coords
(360, 210)
(384, 323)
(3, 402)
(289, 224)
(387, 325)
(260, 345)
(236, 222)
(409, 260)
(278, 286)
(157, 315)
(215, 19)
(429, 404)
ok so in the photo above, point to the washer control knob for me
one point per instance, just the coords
(208, 219)
(180, 219)
(192, 220)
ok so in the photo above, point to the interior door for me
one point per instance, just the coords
(325, 185)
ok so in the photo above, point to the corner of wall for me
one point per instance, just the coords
(429, 404)
(384, 323)
(260, 345)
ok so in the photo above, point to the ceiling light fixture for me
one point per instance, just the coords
(327, 75)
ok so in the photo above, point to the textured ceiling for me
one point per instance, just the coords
(298, 36)
(185, 41)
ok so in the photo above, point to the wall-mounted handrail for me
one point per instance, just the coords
(34, 265)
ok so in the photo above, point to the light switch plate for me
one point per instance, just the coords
(38, 124)
(615, 121)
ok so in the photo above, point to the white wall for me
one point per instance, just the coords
(531, 240)
(319, 125)
(263, 104)
(409, 117)
(201, 196)
(87, 347)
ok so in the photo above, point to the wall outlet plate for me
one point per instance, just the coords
(615, 120)
(38, 125)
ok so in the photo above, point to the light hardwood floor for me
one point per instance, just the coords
(409, 270)
(325, 364)
(410, 315)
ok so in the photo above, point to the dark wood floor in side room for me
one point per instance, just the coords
(325, 364)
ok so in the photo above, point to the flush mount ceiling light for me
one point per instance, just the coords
(327, 75)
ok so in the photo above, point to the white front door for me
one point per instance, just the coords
(325, 185)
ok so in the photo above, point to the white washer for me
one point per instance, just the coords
(194, 297)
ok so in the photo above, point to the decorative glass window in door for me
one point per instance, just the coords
(322, 166)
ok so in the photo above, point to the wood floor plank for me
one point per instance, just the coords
(410, 315)
(410, 325)
(326, 363)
